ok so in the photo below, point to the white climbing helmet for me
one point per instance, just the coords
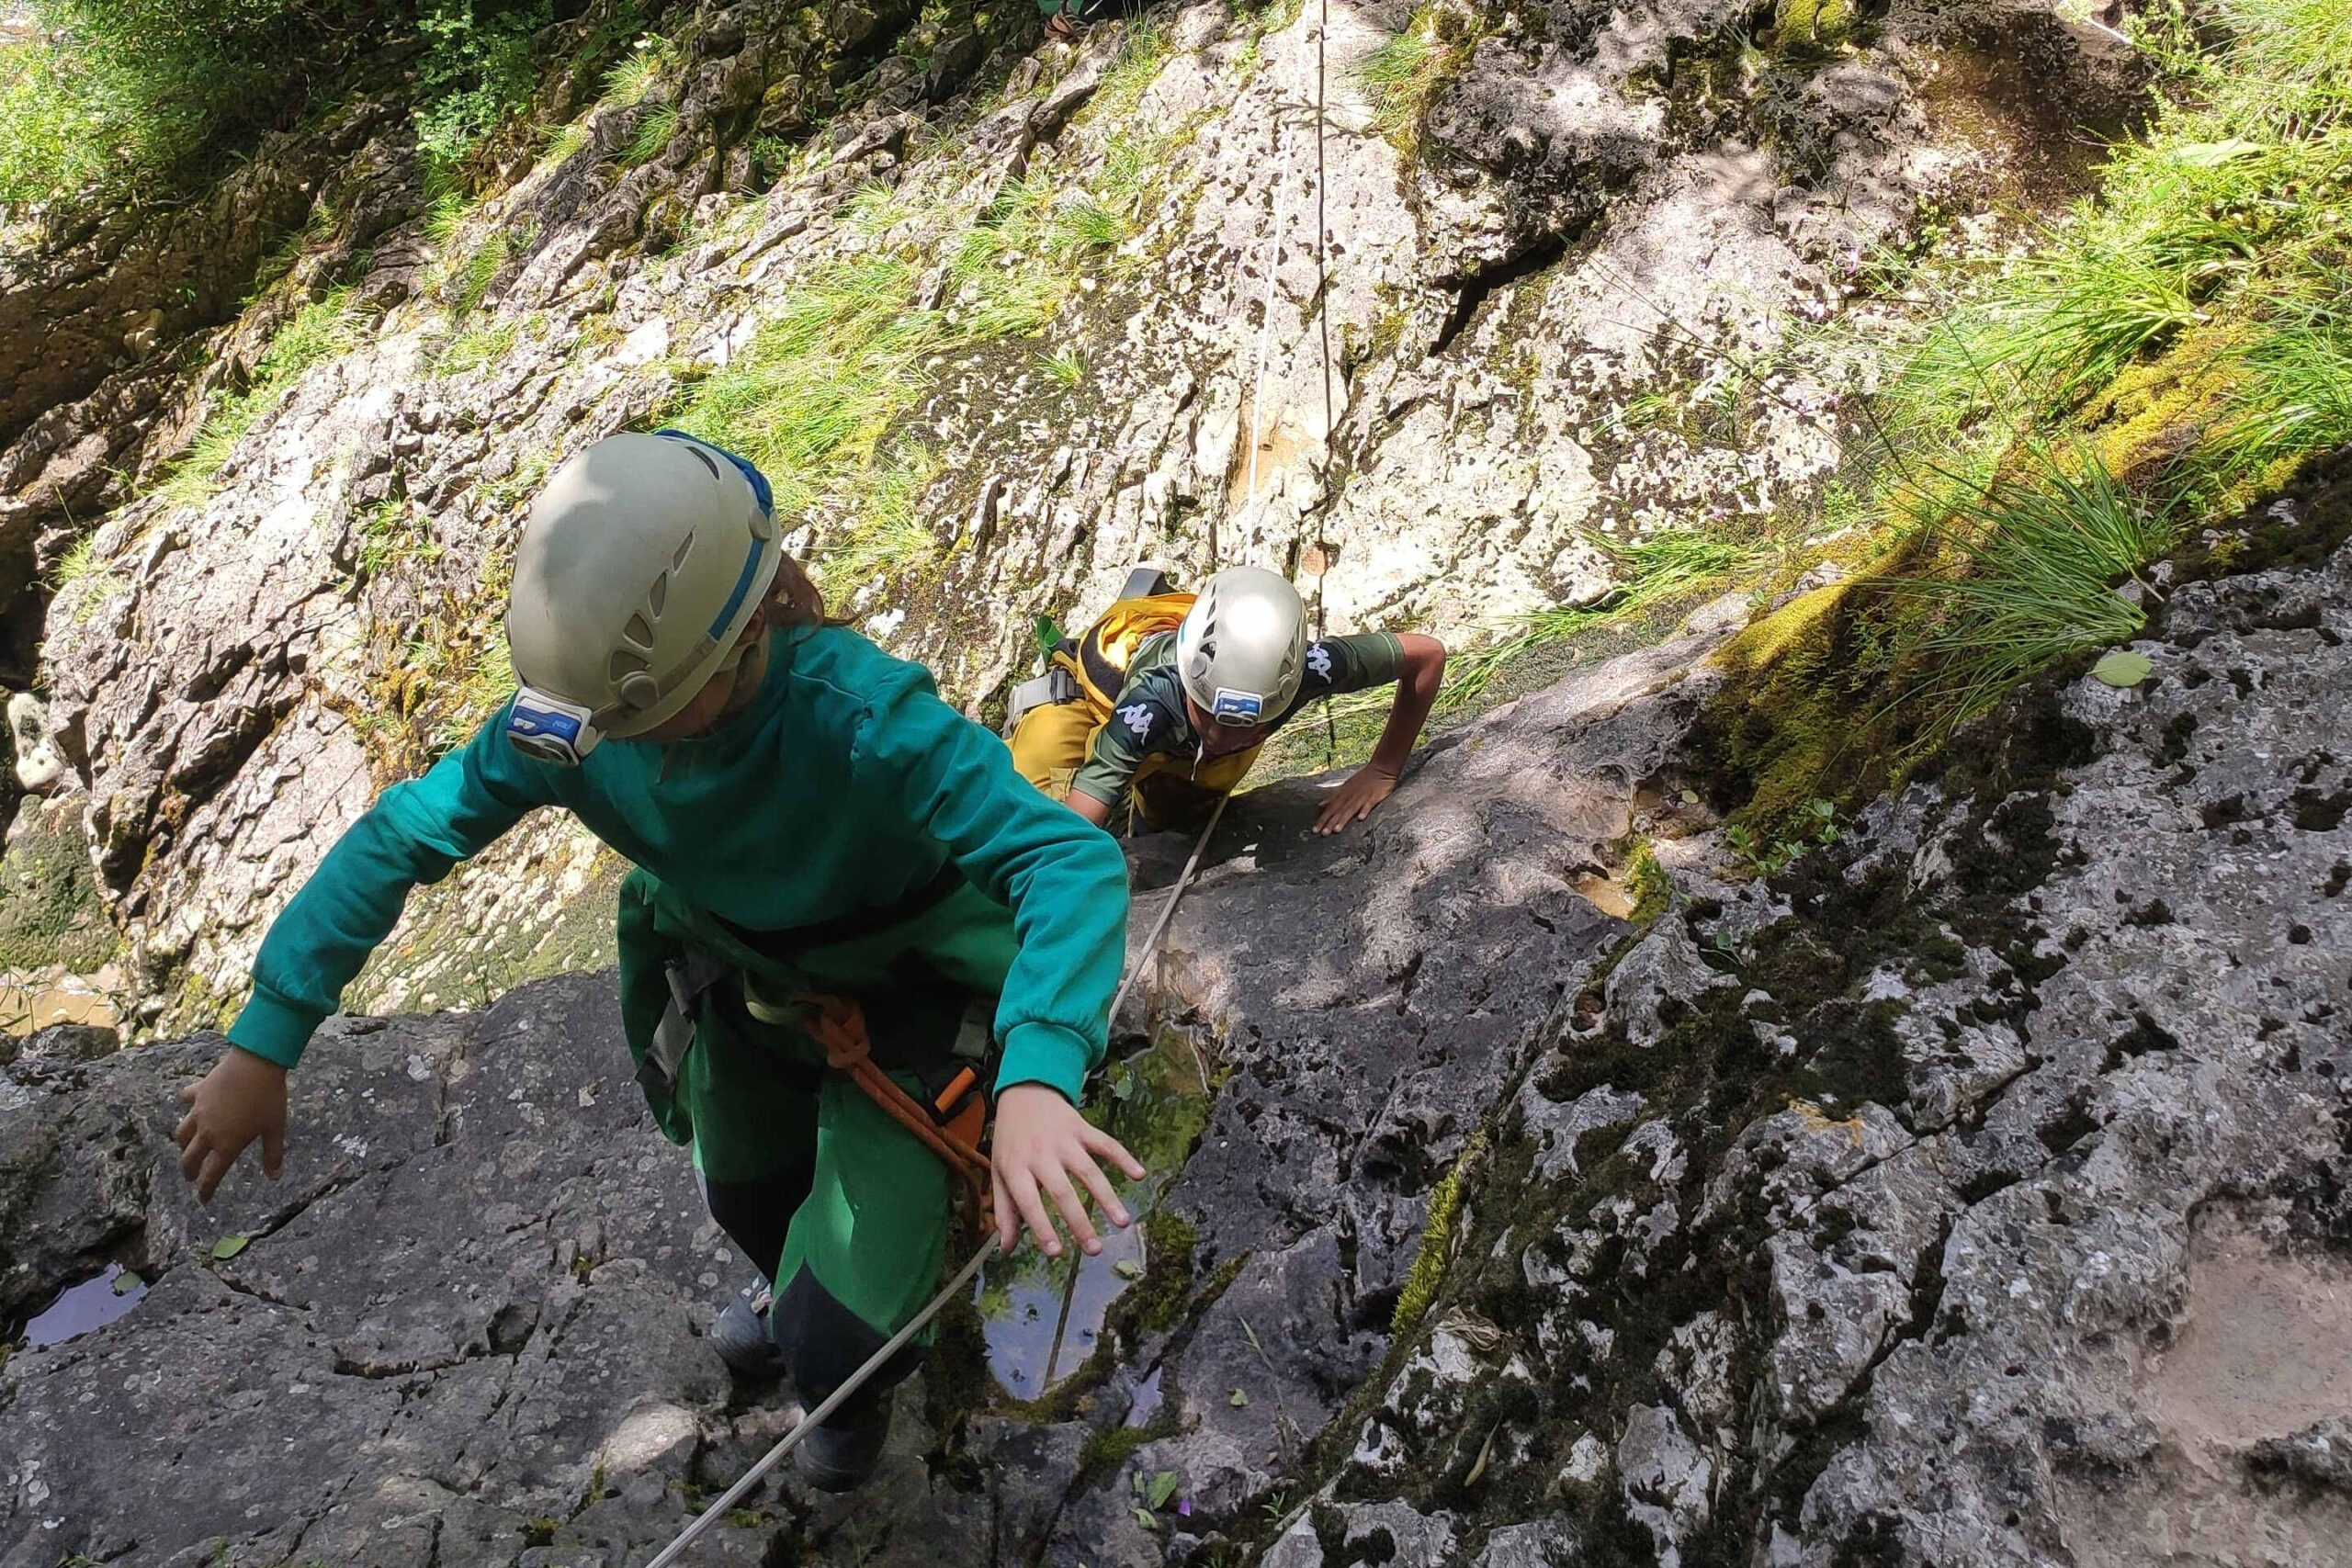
(1241, 647)
(641, 562)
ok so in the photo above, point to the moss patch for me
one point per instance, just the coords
(51, 912)
(1439, 1241)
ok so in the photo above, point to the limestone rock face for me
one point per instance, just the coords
(1552, 284)
(2018, 1225)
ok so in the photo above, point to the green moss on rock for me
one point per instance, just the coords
(51, 912)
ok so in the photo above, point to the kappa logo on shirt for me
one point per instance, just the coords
(1138, 716)
(1318, 659)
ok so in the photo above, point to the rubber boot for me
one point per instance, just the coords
(841, 1453)
(741, 1338)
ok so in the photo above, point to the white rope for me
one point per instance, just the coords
(932, 1309)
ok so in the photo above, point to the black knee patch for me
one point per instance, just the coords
(756, 1214)
(823, 1342)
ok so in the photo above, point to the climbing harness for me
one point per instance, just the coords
(837, 1024)
(951, 1127)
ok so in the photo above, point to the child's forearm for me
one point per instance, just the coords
(1415, 695)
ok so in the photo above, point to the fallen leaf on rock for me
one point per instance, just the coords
(2121, 667)
(231, 1245)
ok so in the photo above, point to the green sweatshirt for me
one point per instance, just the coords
(847, 783)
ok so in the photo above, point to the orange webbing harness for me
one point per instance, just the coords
(951, 1127)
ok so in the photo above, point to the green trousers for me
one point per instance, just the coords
(842, 1208)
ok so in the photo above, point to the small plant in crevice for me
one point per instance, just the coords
(1440, 1241)
(1815, 825)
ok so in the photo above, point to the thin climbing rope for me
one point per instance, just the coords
(1323, 325)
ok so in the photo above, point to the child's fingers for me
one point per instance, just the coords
(1008, 1222)
(1032, 1212)
(1065, 1198)
(1090, 1177)
(216, 1166)
(194, 1146)
(1101, 1144)
(273, 1153)
(187, 1090)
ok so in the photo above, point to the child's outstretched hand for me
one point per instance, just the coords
(242, 1099)
(1043, 1146)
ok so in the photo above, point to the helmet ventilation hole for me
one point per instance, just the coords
(659, 594)
(685, 548)
(640, 631)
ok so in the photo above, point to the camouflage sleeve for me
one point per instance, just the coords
(1336, 664)
(1119, 749)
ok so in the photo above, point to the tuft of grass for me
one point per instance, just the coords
(85, 580)
(1066, 369)
(467, 282)
(563, 141)
(195, 474)
(1656, 572)
(470, 351)
(2295, 395)
(652, 136)
(446, 216)
(633, 77)
(319, 331)
(1143, 50)
(1402, 75)
(2037, 560)
(392, 534)
(1080, 226)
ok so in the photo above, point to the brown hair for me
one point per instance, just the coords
(795, 601)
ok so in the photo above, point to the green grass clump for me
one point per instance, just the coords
(1658, 571)
(319, 331)
(470, 351)
(1427, 1275)
(563, 141)
(468, 280)
(195, 474)
(2036, 561)
(1404, 75)
(654, 132)
(2173, 347)
(633, 77)
(85, 580)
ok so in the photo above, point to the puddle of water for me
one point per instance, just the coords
(91, 1304)
(1606, 895)
(33, 999)
(1042, 1319)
